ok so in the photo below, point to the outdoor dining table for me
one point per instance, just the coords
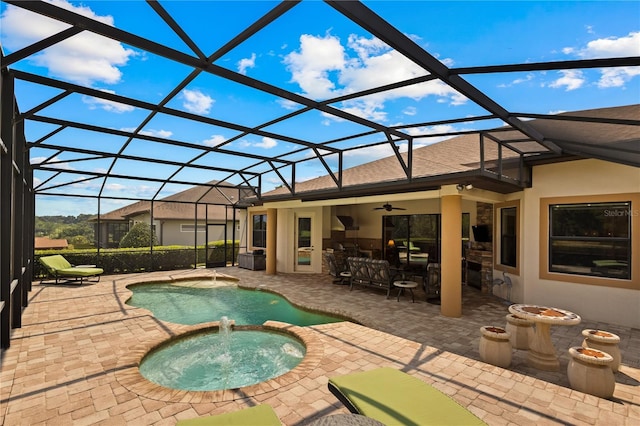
(542, 353)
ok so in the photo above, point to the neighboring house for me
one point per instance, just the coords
(564, 227)
(46, 243)
(177, 219)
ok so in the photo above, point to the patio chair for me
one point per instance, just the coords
(59, 268)
(261, 414)
(393, 397)
(339, 272)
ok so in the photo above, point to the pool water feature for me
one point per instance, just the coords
(182, 303)
(222, 359)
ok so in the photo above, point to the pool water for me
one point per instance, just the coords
(218, 360)
(182, 304)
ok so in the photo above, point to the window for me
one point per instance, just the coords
(507, 246)
(190, 228)
(590, 239)
(259, 230)
(115, 233)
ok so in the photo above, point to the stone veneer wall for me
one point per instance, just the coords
(482, 253)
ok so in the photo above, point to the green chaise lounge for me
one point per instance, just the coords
(397, 398)
(260, 415)
(60, 268)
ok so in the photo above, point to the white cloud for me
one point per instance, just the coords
(611, 47)
(245, 63)
(265, 142)
(628, 45)
(324, 68)
(158, 133)
(41, 160)
(150, 132)
(214, 140)
(528, 78)
(85, 58)
(411, 111)
(197, 102)
(617, 77)
(310, 66)
(570, 80)
(106, 105)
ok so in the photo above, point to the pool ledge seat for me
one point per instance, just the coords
(261, 415)
(397, 398)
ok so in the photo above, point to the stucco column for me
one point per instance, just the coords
(450, 263)
(272, 232)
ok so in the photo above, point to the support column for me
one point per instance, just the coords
(272, 233)
(450, 263)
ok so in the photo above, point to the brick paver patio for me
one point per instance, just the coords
(74, 361)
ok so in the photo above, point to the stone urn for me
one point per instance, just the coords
(521, 331)
(604, 341)
(589, 371)
(495, 347)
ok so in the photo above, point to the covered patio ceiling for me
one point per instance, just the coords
(74, 149)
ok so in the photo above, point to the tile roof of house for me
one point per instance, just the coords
(44, 243)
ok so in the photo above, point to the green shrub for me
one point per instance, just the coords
(137, 259)
(140, 235)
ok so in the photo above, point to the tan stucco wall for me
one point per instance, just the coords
(592, 302)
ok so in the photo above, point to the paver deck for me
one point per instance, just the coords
(74, 360)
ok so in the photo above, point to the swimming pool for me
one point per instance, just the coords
(182, 303)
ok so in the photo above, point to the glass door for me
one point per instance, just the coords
(304, 246)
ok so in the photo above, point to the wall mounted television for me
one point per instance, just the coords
(481, 233)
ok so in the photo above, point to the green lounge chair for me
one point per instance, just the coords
(260, 415)
(60, 268)
(397, 398)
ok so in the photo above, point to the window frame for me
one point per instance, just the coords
(190, 227)
(263, 231)
(497, 240)
(634, 215)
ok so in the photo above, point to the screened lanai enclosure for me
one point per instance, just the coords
(202, 128)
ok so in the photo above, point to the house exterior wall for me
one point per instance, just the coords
(593, 302)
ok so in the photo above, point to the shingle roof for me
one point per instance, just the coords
(462, 153)
(181, 205)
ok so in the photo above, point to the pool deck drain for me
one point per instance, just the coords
(67, 363)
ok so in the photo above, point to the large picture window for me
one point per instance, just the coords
(259, 230)
(591, 239)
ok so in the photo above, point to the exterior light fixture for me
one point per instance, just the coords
(467, 186)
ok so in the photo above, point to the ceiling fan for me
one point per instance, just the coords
(388, 207)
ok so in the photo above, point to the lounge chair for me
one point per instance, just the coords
(261, 414)
(397, 398)
(58, 267)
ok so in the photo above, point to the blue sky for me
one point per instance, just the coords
(314, 51)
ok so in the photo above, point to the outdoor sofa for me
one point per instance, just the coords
(372, 273)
